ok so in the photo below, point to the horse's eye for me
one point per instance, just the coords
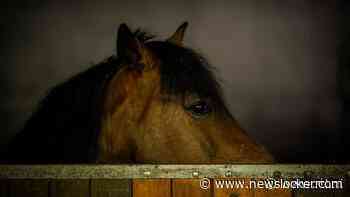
(199, 109)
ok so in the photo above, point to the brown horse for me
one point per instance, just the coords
(156, 102)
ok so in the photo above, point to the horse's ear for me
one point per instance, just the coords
(128, 47)
(178, 36)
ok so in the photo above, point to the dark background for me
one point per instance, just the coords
(283, 64)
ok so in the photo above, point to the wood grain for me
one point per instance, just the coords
(189, 188)
(29, 188)
(272, 193)
(111, 187)
(315, 193)
(151, 188)
(235, 190)
(263, 189)
(4, 188)
(70, 188)
(345, 191)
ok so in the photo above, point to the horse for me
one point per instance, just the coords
(155, 101)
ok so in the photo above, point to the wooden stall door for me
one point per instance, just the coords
(191, 188)
(142, 188)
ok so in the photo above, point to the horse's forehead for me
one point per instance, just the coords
(149, 59)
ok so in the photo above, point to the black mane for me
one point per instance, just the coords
(184, 72)
(66, 124)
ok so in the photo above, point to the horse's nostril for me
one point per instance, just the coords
(234, 194)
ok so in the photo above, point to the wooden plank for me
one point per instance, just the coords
(272, 193)
(315, 193)
(167, 171)
(111, 187)
(341, 193)
(151, 188)
(70, 188)
(236, 187)
(268, 189)
(4, 187)
(189, 188)
(345, 192)
(323, 192)
(29, 188)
